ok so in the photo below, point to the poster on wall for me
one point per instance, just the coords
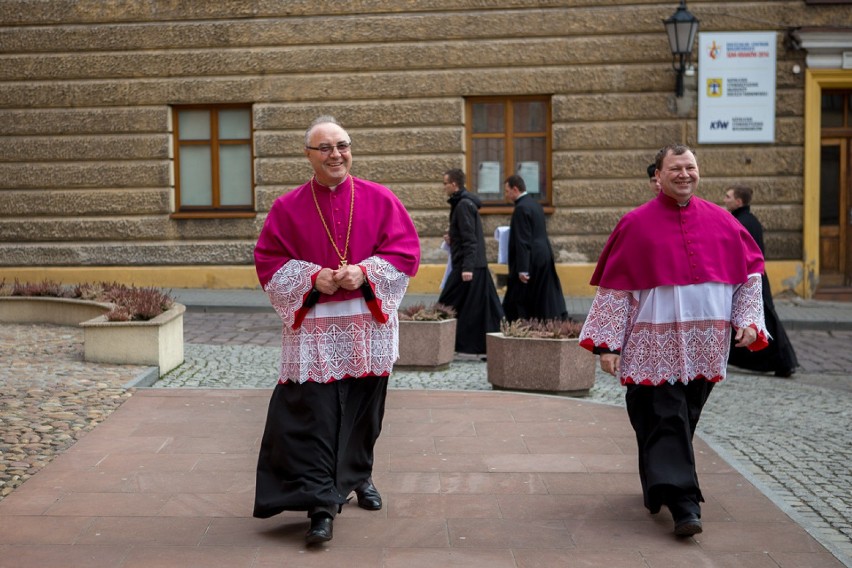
(736, 87)
(488, 180)
(530, 174)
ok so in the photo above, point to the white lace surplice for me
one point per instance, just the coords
(337, 339)
(673, 333)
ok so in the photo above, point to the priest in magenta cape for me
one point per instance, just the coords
(674, 277)
(293, 247)
(335, 256)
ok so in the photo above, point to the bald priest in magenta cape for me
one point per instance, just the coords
(335, 256)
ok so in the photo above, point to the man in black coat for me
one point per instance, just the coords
(533, 290)
(779, 357)
(469, 288)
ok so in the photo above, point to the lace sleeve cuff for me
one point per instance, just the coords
(290, 288)
(747, 310)
(605, 326)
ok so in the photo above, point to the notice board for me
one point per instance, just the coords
(736, 87)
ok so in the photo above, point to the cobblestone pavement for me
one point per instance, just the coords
(791, 437)
(49, 397)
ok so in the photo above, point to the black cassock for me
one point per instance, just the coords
(779, 357)
(530, 251)
(476, 302)
(664, 418)
(318, 443)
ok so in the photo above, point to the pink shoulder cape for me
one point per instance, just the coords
(380, 227)
(663, 244)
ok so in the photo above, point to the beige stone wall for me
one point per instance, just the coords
(85, 89)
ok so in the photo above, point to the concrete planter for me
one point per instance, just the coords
(426, 344)
(157, 342)
(558, 366)
(56, 311)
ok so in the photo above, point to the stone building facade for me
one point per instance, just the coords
(90, 91)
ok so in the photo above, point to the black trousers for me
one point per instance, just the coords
(664, 418)
(318, 444)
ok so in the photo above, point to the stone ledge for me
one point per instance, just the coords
(47, 310)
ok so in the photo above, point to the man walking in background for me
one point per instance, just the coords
(533, 290)
(469, 288)
(780, 357)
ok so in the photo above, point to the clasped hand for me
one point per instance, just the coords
(349, 277)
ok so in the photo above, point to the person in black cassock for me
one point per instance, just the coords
(779, 357)
(469, 288)
(533, 290)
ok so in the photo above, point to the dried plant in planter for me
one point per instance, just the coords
(422, 312)
(136, 304)
(131, 303)
(542, 329)
(45, 288)
(91, 291)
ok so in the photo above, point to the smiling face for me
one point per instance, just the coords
(678, 176)
(332, 168)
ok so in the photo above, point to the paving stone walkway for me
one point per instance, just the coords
(791, 438)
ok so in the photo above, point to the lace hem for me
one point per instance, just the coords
(345, 341)
(679, 352)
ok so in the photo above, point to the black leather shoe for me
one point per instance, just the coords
(322, 529)
(368, 496)
(688, 525)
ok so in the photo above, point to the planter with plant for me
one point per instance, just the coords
(121, 324)
(427, 336)
(540, 356)
(46, 302)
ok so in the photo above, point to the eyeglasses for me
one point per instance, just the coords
(326, 149)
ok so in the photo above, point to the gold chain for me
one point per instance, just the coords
(348, 230)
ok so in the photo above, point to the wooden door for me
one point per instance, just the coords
(835, 230)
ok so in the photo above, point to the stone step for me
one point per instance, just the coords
(834, 293)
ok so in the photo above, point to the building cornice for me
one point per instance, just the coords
(827, 47)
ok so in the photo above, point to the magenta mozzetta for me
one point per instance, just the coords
(711, 246)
